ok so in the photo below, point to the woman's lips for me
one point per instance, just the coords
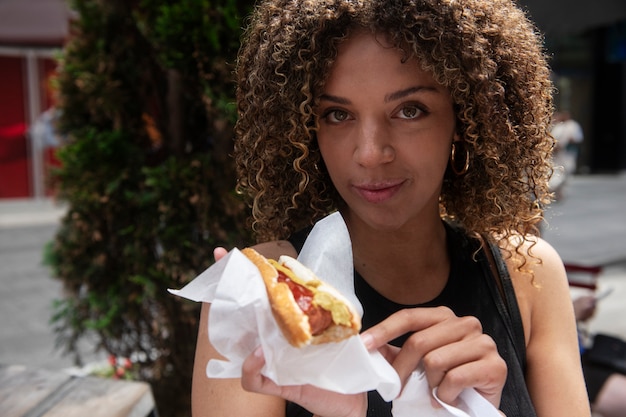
(378, 192)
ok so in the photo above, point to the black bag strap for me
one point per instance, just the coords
(503, 293)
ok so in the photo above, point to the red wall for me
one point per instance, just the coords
(14, 173)
(15, 168)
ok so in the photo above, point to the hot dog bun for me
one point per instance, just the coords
(340, 319)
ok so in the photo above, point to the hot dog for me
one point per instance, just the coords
(307, 310)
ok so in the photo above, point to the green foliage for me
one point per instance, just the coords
(185, 28)
(146, 99)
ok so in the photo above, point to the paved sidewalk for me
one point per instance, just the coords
(27, 290)
(21, 212)
(587, 227)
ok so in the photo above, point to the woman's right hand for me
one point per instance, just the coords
(316, 400)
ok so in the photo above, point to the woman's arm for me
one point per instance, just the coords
(224, 397)
(554, 374)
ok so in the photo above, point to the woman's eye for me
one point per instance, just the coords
(336, 116)
(409, 112)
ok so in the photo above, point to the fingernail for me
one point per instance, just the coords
(258, 353)
(367, 340)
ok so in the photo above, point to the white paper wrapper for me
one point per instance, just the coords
(241, 320)
(415, 401)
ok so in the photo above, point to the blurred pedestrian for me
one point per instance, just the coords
(568, 135)
(44, 131)
(606, 387)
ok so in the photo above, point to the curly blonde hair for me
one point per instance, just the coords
(486, 52)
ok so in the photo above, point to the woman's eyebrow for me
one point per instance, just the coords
(407, 92)
(335, 99)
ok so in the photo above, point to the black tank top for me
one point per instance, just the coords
(471, 290)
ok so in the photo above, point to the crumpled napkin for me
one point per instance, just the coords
(241, 320)
(415, 401)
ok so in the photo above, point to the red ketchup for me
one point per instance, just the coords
(319, 319)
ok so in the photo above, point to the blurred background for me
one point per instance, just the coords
(133, 100)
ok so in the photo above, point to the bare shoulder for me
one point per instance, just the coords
(539, 279)
(535, 261)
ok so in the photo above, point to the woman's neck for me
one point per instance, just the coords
(409, 266)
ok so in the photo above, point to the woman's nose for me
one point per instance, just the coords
(373, 145)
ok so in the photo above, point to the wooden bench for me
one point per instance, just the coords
(28, 392)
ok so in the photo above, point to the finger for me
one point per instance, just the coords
(389, 352)
(486, 376)
(440, 346)
(251, 378)
(439, 362)
(402, 322)
(219, 253)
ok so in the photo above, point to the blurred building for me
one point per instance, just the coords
(31, 33)
(587, 41)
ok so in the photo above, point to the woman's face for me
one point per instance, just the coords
(385, 132)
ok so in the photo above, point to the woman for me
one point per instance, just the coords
(425, 123)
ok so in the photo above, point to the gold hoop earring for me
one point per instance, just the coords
(453, 161)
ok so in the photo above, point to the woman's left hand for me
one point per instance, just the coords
(454, 352)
